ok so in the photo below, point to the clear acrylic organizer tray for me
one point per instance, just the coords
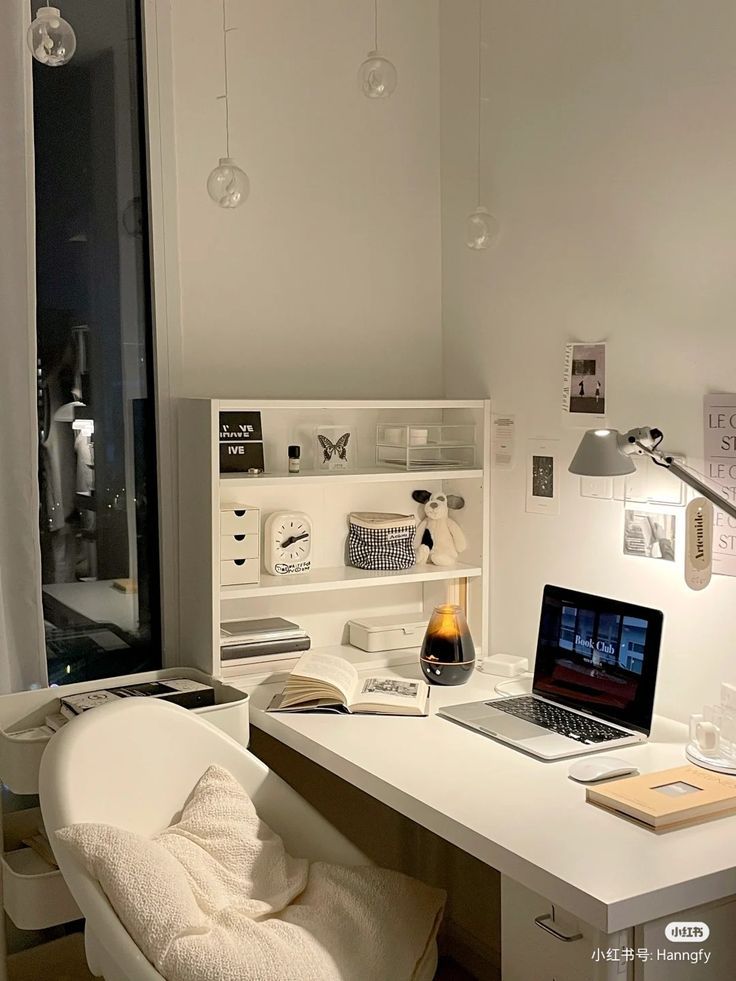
(435, 446)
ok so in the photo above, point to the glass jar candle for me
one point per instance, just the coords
(448, 653)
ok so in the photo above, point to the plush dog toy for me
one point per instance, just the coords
(438, 538)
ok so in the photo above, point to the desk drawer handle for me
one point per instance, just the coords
(543, 922)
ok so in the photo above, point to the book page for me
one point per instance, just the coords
(328, 669)
(391, 692)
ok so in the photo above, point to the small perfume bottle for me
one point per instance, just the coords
(295, 453)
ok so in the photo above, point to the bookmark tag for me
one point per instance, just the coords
(699, 543)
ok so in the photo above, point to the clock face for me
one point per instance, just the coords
(288, 543)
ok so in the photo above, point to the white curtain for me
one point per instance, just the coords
(22, 652)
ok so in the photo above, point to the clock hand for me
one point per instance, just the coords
(294, 538)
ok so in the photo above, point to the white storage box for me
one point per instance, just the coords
(388, 633)
(35, 895)
(20, 757)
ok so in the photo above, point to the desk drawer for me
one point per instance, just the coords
(541, 942)
(239, 547)
(240, 572)
(239, 521)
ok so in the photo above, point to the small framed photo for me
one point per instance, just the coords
(335, 448)
(542, 491)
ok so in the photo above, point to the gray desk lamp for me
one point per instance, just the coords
(608, 453)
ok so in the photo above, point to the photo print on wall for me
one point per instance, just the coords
(650, 534)
(584, 388)
(542, 486)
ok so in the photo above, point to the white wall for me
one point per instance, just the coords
(611, 154)
(327, 281)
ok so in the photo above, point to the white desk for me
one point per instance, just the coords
(519, 815)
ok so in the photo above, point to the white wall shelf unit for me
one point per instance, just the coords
(324, 599)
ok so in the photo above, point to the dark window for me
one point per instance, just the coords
(99, 525)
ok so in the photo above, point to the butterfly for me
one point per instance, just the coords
(329, 448)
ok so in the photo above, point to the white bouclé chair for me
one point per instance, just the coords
(133, 764)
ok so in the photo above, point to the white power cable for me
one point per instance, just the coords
(499, 689)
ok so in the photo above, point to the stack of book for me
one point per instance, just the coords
(246, 645)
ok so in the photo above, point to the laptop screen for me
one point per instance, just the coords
(599, 655)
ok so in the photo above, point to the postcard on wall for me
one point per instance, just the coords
(650, 534)
(584, 388)
(542, 487)
(719, 424)
(503, 428)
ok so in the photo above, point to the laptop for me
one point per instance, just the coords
(594, 680)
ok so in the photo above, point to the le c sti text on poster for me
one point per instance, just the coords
(719, 418)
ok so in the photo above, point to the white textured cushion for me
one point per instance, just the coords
(216, 897)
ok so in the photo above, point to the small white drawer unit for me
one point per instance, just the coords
(240, 550)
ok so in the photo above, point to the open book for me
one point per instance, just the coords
(325, 683)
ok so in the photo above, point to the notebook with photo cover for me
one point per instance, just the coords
(668, 799)
(326, 683)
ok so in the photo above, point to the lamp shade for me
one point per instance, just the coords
(600, 454)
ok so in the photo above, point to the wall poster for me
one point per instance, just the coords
(584, 387)
(719, 424)
(542, 490)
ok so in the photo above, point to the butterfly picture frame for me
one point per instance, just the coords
(334, 448)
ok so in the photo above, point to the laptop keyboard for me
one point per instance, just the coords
(557, 719)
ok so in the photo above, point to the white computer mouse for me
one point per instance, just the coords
(594, 768)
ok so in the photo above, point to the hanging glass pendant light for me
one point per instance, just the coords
(377, 76)
(227, 184)
(51, 39)
(481, 227)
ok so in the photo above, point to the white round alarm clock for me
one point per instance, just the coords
(287, 543)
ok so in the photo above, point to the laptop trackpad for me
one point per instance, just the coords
(500, 724)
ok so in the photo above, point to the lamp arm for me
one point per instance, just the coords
(687, 478)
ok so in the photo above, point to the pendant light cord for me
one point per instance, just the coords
(375, 25)
(480, 91)
(226, 96)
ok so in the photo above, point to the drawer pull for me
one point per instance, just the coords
(544, 923)
(239, 538)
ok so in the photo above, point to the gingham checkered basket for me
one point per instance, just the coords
(381, 541)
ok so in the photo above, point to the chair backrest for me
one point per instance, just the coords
(133, 764)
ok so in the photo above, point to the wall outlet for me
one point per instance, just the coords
(728, 695)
